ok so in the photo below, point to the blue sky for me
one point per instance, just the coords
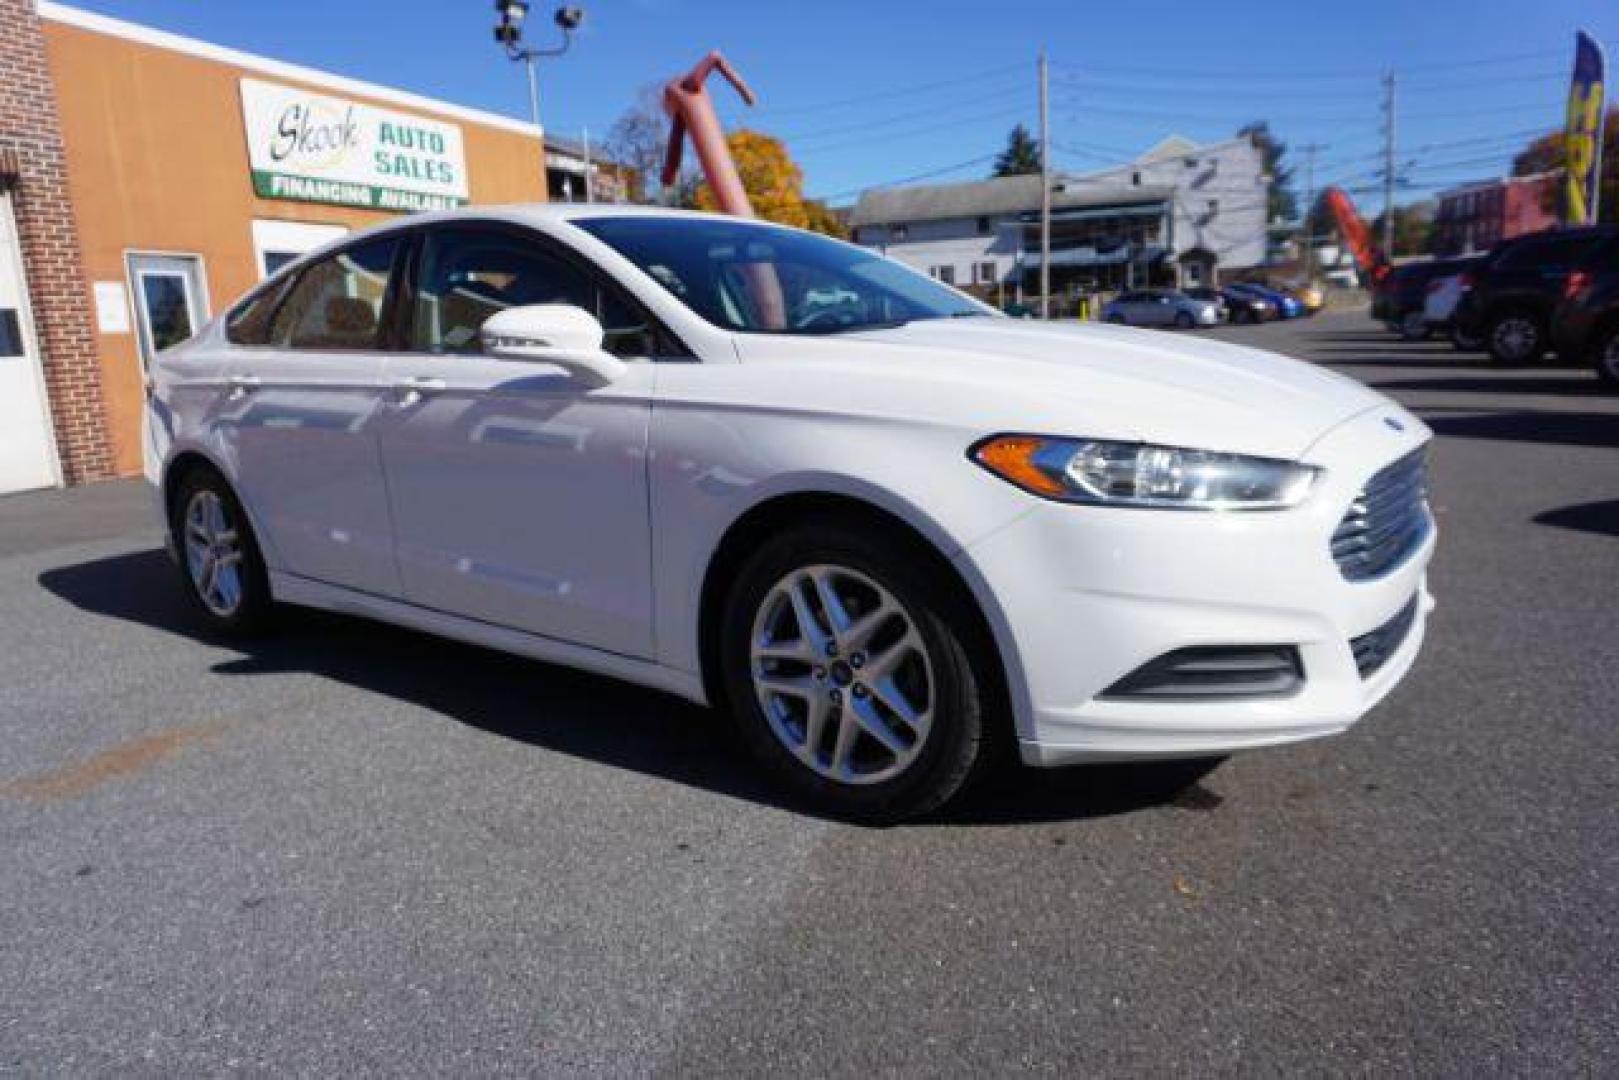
(875, 92)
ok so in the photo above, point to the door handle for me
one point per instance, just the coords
(242, 385)
(412, 390)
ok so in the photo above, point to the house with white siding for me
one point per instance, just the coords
(1179, 213)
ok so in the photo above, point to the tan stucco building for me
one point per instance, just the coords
(184, 173)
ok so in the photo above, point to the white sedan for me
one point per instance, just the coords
(884, 527)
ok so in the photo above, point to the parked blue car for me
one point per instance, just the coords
(1289, 305)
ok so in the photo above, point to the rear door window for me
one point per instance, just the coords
(338, 303)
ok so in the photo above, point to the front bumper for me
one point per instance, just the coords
(1088, 595)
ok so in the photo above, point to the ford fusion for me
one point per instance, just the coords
(884, 527)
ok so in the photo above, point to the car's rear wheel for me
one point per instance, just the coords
(848, 668)
(1515, 337)
(1183, 321)
(1413, 327)
(218, 555)
(1242, 315)
(1605, 357)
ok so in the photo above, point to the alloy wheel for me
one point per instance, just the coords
(213, 551)
(1514, 338)
(842, 674)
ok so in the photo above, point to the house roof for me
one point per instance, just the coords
(998, 197)
(1170, 147)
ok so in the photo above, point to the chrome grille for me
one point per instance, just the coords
(1387, 521)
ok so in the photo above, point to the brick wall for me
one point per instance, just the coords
(61, 302)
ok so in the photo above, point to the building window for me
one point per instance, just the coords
(984, 226)
(946, 274)
(1135, 178)
(986, 273)
(1191, 162)
(1214, 206)
(897, 232)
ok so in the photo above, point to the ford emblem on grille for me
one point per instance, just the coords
(1392, 424)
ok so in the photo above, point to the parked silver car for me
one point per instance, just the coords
(1160, 307)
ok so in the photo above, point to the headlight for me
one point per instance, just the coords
(1143, 475)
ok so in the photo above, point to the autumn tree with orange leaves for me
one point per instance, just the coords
(774, 182)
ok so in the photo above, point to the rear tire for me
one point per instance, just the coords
(1515, 337)
(221, 567)
(868, 716)
(1183, 321)
(1413, 327)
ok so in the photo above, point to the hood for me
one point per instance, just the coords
(1083, 380)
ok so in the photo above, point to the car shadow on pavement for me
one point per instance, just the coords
(1601, 518)
(1528, 425)
(567, 711)
(1571, 385)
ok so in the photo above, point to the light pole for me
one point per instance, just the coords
(509, 35)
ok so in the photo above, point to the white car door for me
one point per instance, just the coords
(301, 412)
(519, 496)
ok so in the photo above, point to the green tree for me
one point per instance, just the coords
(1281, 204)
(1021, 156)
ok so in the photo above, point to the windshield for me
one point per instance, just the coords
(742, 275)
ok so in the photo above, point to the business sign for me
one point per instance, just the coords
(308, 147)
(1582, 185)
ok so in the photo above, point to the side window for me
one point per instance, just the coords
(337, 303)
(249, 323)
(468, 275)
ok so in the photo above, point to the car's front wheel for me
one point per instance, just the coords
(1183, 321)
(1515, 337)
(219, 557)
(848, 666)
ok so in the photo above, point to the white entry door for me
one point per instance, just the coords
(27, 446)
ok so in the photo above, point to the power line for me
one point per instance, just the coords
(928, 175)
(1002, 113)
(1313, 76)
(902, 118)
(954, 83)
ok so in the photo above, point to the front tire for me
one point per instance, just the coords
(1515, 337)
(218, 556)
(1183, 321)
(849, 671)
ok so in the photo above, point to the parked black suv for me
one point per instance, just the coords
(1585, 326)
(1514, 290)
(1397, 300)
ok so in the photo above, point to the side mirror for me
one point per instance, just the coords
(560, 334)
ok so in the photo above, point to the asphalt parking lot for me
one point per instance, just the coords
(352, 848)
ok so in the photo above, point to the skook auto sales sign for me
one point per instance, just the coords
(309, 147)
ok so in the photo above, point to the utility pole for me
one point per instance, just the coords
(1388, 165)
(590, 188)
(1045, 192)
(1309, 207)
